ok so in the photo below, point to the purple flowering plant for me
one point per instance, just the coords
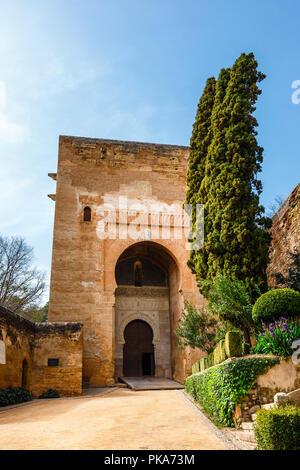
(277, 338)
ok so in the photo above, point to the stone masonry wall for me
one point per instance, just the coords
(22, 340)
(285, 234)
(17, 344)
(97, 173)
(283, 377)
(62, 341)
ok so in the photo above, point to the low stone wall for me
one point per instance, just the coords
(39, 356)
(16, 343)
(283, 377)
(62, 341)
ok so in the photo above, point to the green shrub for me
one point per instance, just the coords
(196, 328)
(219, 354)
(216, 355)
(51, 393)
(219, 388)
(13, 395)
(222, 352)
(210, 360)
(276, 304)
(203, 364)
(233, 344)
(278, 428)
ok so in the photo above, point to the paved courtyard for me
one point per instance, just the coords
(120, 419)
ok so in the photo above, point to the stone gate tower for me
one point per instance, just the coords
(118, 261)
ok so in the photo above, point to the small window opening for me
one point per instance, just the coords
(87, 214)
(53, 362)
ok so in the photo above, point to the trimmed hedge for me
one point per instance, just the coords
(13, 395)
(230, 347)
(51, 393)
(233, 344)
(219, 388)
(278, 428)
(196, 367)
(275, 304)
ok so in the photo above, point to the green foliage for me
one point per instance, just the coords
(233, 344)
(200, 141)
(236, 243)
(275, 304)
(35, 313)
(51, 393)
(277, 338)
(196, 329)
(223, 328)
(210, 359)
(13, 395)
(228, 347)
(219, 352)
(231, 302)
(219, 388)
(292, 279)
(278, 428)
(203, 364)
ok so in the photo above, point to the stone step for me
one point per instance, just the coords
(247, 436)
(248, 426)
(268, 406)
(120, 385)
(253, 417)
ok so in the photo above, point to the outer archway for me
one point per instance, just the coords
(147, 292)
(138, 352)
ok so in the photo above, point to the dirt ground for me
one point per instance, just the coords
(121, 419)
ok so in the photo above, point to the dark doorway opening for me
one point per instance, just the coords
(148, 363)
(24, 374)
(138, 353)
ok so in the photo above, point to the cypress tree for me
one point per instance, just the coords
(199, 259)
(236, 243)
(200, 141)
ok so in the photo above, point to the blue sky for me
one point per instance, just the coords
(132, 70)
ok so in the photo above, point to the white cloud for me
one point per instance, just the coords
(9, 131)
(57, 76)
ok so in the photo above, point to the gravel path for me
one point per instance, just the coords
(122, 419)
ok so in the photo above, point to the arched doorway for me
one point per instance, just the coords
(146, 276)
(138, 354)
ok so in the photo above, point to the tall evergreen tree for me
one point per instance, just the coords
(198, 261)
(200, 141)
(236, 243)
